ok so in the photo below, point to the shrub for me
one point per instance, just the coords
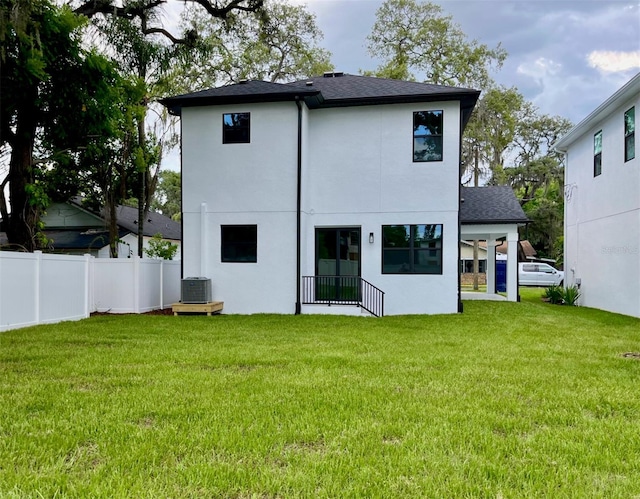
(571, 295)
(159, 248)
(554, 294)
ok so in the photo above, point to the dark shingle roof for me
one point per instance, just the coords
(238, 93)
(348, 90)
(330, 90)
(490, 205)
(127, 217)
(71, 239)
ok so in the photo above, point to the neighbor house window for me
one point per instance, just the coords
(597, 154)
(239, 243)
(427, 136)
(236, 128)
(630, 134)
(467, 266)
(412, 249)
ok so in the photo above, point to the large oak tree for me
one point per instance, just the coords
(416, 40)
(43, 122)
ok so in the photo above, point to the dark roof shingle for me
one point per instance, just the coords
(331, 90)
(245, 92)
(347, 89)
(490, 205)
(155, 223)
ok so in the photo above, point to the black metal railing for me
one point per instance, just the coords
(343, 290)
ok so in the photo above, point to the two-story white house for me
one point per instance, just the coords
(339, 189)
(602, 204)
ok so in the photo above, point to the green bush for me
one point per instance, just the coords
(562, 296)
(571, 295)
(554, 294)
(161, 249)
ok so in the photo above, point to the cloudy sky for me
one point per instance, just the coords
(566, 56)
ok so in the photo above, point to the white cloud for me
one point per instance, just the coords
(540, 68)
(614, 61)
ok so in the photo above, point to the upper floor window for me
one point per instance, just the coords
(597, 154)
(412, 249)
(427, 136)
(630, 134)
(239, 243)
(236, 128)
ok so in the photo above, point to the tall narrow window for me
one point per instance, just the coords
(427, 136)
(597, 154)
(630, 134)
(412, 249)
(236, 128)
(239, 243)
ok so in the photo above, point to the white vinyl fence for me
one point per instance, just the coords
(39, 288)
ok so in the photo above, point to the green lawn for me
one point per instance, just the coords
(506, 400)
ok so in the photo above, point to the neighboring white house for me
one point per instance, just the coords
(73, 229)
(602, 204)
(293, 193)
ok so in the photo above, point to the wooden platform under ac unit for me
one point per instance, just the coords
(212, 307)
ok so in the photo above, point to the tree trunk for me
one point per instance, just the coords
(142, 176)
(112, 221)
(476, 181)
(476, 266)
(21, 226)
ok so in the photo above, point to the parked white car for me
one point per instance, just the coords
(539, 274)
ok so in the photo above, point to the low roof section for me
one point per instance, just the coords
(489, 213)
(154, 223)
(490, 205)
(333, 89)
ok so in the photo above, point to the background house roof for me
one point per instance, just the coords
(490, 205)
(154, 223)
(527, 249)
(66, 239)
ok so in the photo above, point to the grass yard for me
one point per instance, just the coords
(507, 400)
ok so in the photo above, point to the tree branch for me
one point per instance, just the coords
(90, 8)
(164, 32)
(222, 12)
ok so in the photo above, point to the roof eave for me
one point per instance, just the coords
(519, 222)
(467, 100)
(176, 104)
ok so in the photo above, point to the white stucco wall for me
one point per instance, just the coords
(357, 172)
(252, 184)
(602, 217)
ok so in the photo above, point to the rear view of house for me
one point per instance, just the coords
(339, 189)
(602, 204)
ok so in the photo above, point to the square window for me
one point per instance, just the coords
(630, 134)
(236, 128)
(239, 243)
(597, 154)
(412, 249)
(427, 136)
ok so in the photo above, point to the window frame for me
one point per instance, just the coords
(413, 250)
(466, 266)
(630, 135)
(242, 132)
(438, 137)
(226, 245)
(597, 153)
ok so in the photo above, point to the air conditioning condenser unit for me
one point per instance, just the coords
(196, 290)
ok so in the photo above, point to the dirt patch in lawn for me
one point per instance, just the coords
(631, 355)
